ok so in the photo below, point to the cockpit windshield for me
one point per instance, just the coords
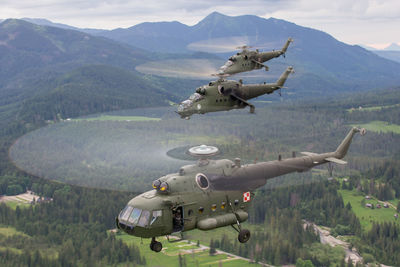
(195, 97)
(133, 219)
(228, 63)
(139, 217)
(189, 102)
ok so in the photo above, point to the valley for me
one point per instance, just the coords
(80, 125)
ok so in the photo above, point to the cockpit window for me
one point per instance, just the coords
(228, 63)
(156, 214)
(133, 219)
(144, 219)
(195, 97)
(125, 213)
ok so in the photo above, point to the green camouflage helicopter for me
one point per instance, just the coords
(224, 94)
(211, 193)
(247, 60)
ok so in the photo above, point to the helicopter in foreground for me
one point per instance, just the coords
(224, 95)
(248, 60)
(211, 193)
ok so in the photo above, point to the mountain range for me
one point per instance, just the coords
(35, 59)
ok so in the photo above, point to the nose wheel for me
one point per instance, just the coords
(155, 245)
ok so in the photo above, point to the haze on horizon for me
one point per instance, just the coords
(374, 23)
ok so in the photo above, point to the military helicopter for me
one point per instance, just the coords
(247, 60)
(211, 193)
(224, 94)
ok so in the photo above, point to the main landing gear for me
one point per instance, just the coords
(244, 234)
(155, 245)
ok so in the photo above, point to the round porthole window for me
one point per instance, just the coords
(202, 181)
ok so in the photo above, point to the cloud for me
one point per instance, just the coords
(357, 21)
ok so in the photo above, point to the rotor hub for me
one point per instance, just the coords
(203, 152)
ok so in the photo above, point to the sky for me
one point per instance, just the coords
(375, 23)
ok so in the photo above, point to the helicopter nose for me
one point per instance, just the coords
(126, 228)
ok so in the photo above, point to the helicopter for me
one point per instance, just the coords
(211, 193)
(247, 60)
(224, 94)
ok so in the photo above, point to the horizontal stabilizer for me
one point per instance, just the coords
(335, 160)
(309, 153)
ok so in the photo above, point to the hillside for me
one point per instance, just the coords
(29, 52)
(93, 89)
(45, 71)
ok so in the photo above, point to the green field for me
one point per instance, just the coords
(7, 231)
(380, 126)
(367, 215)
(15, 204)
(169, 256)
(374, 108)
(118, 118)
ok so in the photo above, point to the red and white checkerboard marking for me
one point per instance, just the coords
(246, 197)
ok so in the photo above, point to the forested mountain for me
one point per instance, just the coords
(388, 54)
(93, 89)
(49, 73)
(45, 71)
(324, 65)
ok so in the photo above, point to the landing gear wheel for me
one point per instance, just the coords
(244, 236)
(155, 245)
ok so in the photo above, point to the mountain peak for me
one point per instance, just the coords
(214, 15)
(393, 47)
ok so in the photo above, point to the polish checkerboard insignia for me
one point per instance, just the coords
(246, 197)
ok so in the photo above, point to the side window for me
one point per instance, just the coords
(144, 218)
(156, 214)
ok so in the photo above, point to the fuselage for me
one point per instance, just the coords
(152, 213)
(212, 193)
(247, 61)
(216, 96)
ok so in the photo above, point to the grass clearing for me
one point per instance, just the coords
(381, 126)
(118, 118)
(15, 204)
(169, 256)
(10, 231)
(367, 215)
(374, 108)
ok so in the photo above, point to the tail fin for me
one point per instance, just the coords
(281, 81)
(344, 146)
(285, 47)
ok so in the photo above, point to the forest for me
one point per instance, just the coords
(73, 229)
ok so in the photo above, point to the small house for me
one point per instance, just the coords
(378, 206)
(367, 197)
(386, 205)
(368, 205)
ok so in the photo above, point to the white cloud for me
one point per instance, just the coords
(357, 21)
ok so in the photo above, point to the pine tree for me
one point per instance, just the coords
(212, 248)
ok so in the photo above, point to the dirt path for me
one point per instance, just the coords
(326, 238)
(26, 197)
